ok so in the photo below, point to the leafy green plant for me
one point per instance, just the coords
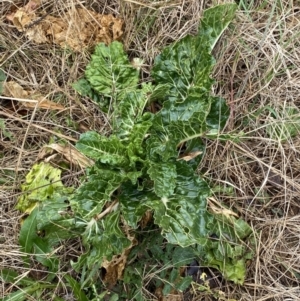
(148, 163)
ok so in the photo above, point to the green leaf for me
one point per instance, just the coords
(84, 88)
(92, 195)
(102, 239)
(28, 232)
(164, 177)
(106, 150)
(110, 72)
(56, 221)
(136, 148)
(134, 203)
(3, 129)
(218, 115)
(284, 123)
(10, 276)
(24, 294)
(214, 22)
(182, 216)
(76, 289)
(130, 110)
(186, 67)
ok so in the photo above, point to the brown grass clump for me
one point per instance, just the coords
(257, 72)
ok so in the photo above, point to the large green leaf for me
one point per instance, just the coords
(163, 176)
(106, 150)
(110, 72)
(214, 22)
(28, 232)
(84, 88)
(130, 110)
(96, 190)
(182, 216)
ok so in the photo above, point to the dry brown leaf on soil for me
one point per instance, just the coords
(77, 29)
(217, 208)
(70, 153)
(24, 15)
(29, 99)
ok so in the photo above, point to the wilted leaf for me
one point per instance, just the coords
(77, 29)
(71, 154)
(114, 268)
(42, 183)
(29, 99)
(217, 208)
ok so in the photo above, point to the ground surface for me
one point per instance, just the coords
(257, 72)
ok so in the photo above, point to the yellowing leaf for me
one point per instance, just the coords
(42, 182)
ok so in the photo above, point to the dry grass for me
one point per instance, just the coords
(258, 74)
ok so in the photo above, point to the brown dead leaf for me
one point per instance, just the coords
(78, 29)
(218, 208)
(115, 267)
(29, 99)
(189, 156)
(25, 15)
(70, 153)
(147, 217)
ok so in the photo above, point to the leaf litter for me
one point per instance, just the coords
(30, 99)
(78, 29)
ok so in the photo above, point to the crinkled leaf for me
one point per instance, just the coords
(130, 110)
(134, 203)
(110, 72)
(186, 67)
(106, 150)
(183, 216)
(103, 239)
(135, 148)
(84, 88)
(214, 22)
(42, 182)
(163, 176)
(97, 190)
